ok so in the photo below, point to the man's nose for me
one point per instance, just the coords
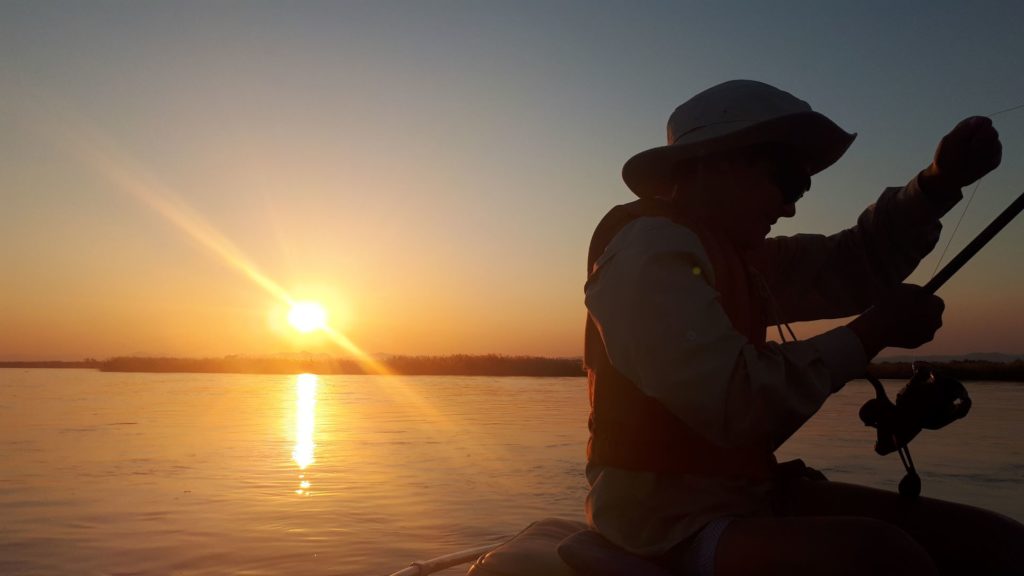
(789, 210)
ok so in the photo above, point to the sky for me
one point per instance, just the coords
(171, 174)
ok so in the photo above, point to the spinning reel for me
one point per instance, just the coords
(929, 400)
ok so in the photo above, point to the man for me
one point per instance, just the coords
(689, 401)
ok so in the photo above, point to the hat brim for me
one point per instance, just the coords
(817, 140)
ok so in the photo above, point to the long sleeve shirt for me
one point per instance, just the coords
(664, 329)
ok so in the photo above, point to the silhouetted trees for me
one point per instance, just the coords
(458, 365)
(959, 369)
(87, 363)
(487, 365)
(454, 365)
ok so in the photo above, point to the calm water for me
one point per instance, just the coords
(229, 474)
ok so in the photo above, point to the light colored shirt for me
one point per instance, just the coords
(652, 297)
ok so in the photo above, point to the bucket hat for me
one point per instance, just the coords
(734, 115)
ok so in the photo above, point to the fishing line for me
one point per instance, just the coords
(1010, 109)
(969, 200)
(955, 228)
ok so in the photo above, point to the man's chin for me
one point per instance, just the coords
(759, 239)
(754, 242)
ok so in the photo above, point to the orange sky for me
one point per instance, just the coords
(170, 177)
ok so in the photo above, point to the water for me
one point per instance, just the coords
(197, 474)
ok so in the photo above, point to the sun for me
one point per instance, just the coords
(307, 317)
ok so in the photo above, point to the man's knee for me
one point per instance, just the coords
(1003, 547)
(877, 547)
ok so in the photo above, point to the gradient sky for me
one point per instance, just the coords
(432, 170)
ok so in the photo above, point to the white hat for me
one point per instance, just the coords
(734, 115)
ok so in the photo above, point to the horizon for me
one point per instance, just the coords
(898, 355)
(176, 177)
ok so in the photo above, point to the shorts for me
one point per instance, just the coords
(696, 555)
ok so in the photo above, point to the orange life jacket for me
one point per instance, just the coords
(631, 430)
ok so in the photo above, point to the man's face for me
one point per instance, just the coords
(757, 192)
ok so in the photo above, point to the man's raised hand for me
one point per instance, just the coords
(970, 151)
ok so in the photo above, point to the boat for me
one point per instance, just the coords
(548, 547)
(531, 552)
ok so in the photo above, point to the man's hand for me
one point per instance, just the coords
(971, 150)
(907, 317)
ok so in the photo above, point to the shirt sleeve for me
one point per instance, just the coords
(813, 276)
(664, 328)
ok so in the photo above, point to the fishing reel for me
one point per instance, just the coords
(929, 400)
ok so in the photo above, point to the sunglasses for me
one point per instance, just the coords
(791, 179)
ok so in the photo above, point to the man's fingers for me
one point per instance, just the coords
(981, 121)
(983, 138)
(971, 150)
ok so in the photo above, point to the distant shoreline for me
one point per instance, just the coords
(451, 365)
(458, 365)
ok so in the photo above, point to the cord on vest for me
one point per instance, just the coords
(766, 294)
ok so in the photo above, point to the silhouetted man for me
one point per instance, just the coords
(688, 399)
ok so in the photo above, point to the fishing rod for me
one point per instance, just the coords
(930, 400)
(975, 245)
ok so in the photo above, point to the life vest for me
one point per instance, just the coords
(631, 430)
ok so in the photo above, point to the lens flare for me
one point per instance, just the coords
(127, 175)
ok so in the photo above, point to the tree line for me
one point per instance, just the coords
(451, 365)
(458, 365)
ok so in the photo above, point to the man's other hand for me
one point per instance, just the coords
(906, 317)
(971, 150)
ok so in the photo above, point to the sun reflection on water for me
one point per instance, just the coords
(305, 410)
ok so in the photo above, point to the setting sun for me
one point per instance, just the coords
(307, 317)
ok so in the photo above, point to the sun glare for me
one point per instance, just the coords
(307, 317)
